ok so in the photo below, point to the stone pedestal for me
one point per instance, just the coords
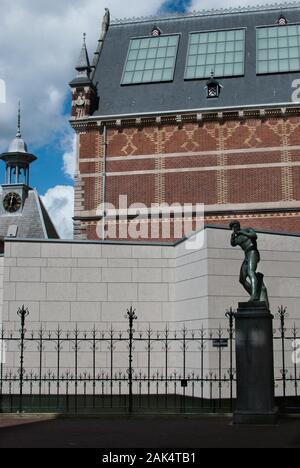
(254, 365)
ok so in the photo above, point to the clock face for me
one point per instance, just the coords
(12, 202)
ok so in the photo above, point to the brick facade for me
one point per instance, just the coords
(247, 168)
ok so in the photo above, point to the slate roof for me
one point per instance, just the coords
(180, 95)
(83, 67)
(33, 221)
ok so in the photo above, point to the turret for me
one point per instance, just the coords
(17, 159)
(84, 93)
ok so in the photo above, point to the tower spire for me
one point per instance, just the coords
(19, 135)
(84, 92)
(17, 159)
(83, 65)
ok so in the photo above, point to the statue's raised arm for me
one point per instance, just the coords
(248, 232)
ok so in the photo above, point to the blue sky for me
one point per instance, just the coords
(48, 170)
(176, 6)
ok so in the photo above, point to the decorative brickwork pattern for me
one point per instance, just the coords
(275, 222)
(285, 129)
(91, 166)
(221, 162)
(221, 134)
(99, 195)
(253, 139)
(79, 193)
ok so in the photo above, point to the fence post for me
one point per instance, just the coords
(22, 313)
(282, 315)
(184, 381)
(131, 316)
(230, 315)
(295, 363)
(94, 366)
(76, 348)
(2, 358)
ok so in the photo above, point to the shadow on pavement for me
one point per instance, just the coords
(145, 432)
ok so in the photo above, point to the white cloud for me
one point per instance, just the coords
(59, 201)
(40, 43)
(69, 157)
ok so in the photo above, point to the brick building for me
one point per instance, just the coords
(197, 108)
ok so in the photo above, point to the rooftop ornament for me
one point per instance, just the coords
(213, 87)
(17, 159)
(155, 31)
(282, 21)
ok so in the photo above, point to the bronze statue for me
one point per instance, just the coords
(253, 282)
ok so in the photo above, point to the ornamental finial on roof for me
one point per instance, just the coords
(18, 135)
(18, 145)
(105, 24)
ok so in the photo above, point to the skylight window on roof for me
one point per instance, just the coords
(220, 52)
(150, 60)
(278, 49)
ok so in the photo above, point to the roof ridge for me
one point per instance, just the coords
(212, 12)
(45, 218)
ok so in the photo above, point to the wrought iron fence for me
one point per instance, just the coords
(166, 370)
(287, 363)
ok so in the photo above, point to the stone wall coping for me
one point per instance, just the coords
(135, 243)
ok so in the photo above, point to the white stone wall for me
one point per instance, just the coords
(72, 283)
(280, 263)
(207, 284)
(191, 286)
(85, 284)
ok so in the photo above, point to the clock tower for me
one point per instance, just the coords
(17, 161)
(22, 213)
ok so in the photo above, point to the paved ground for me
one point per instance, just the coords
(145, 432)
